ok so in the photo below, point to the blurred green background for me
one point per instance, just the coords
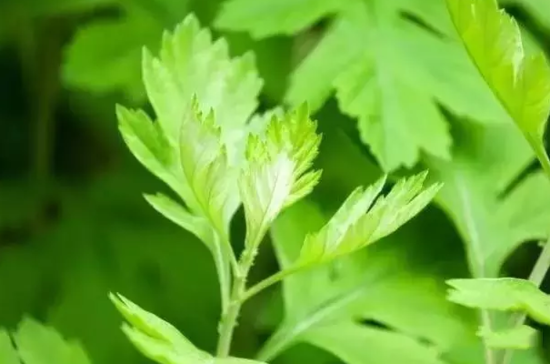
(73, 223)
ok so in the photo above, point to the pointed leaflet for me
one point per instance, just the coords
(160, 341)
(278, 173)
(360, 221)
(492, 215)
(365, 57)
(366, 285)
(521, 82)
(503, 294)
(519, 337)
(202, 99)
(34, 343)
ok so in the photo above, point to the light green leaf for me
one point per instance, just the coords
(521, 83)
(278, 173)
(360, 221)
(160, 341)
(493, 209)
(361, 285)
(519, 338)
(394, 97)
(39, 344)
(358, 344)
(271, 17)
(503, 294)
(203, 100)
(8, 354)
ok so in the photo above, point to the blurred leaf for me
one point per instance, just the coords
(160, 341)
(503, 294)
(105, 55)
(518, 338)
(361, 220)
(270, 17)
(521, 83)
(493, 210)
(393, 96)
(365, 284)
(358, 344)
(34, 343)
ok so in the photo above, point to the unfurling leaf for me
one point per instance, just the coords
(518, 338)
(502, 294)
(521, 82)
(361, 220)
(278, 172)
(160, 341)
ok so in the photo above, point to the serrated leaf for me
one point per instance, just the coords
(521, 83)
(358, 285)
(502, 294)
(35, 343)
(278, 173)
(273, 17)
(518, 338)
(203, 100)
(361, 221)
(364, 56)
(493, 209)
(160, 341)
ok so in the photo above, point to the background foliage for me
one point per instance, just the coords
(393, 91)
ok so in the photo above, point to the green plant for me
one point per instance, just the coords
(210, 148)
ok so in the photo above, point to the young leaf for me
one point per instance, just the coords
(503, 294)
(278, 173)
(360, 221)
(365, 285)
(203, 100)
(394, 97)
(518, 338)
(34, 343)
(493, 209)
(521, 83)
(160, 341)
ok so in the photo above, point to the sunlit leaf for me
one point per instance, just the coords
(518, 338)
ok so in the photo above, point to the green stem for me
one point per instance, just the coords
(230, 315)
(277, 277)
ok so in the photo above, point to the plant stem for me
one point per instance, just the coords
(490, 357)
(229, 318)
(269, 281)
(537, 275)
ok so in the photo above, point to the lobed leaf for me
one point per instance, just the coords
(361, 221)
(502, 294)
(277, 172)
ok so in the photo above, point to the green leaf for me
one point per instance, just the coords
(503, 294)
(494, 210)
(8, 354)
(270, 17)
(278, 173)
(360, 221)
(203, 100)
(105, 55)
(521, 83)
(364, 56)
(160, 341)
(358, 344)
(518, 338)
(361, 285)
(34, 343)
